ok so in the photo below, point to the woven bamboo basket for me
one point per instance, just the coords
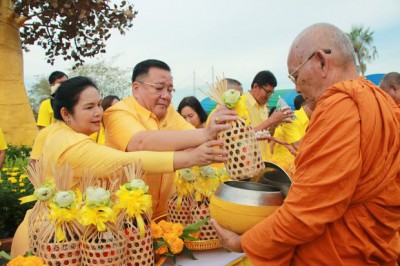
(66, 252)
(179, 215)
(244, 157)
(36, 224)
(105, 248)
(208, 238)
(139, 249)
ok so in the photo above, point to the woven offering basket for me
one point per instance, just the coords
(208, 238)
(105, 248)
(244, 157)
(182, 215)
(139, 249)
(36, 224)
(60, 253)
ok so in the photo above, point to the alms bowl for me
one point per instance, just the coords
(239, 205)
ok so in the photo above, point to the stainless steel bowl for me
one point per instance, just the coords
(249, 193)
(275, 176)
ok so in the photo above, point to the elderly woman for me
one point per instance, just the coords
(78, 113)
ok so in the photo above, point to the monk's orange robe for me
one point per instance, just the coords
(343, 207)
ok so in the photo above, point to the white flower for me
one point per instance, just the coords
(208, 171)
(64, 199)
(187, 174)
(44, 193)
(230, 98)
(96, 197)
(137, 184)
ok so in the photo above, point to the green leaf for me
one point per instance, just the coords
(188, 253)
(159, 243)
(5, 255)
(195, 226)
(189, 237)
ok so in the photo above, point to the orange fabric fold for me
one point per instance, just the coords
(343, 207)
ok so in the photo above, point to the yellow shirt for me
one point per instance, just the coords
(82, 153)
(126, 118)
(3, 143)
(45, 115)
(258, 114)
(99, 136)
(37, 147)
(289, 133)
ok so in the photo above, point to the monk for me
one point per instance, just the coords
(343, 207)
(390, 83)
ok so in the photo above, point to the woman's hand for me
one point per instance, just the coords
(209, 152)
(229, 240)
(218, 121)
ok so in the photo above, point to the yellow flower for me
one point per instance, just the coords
(21, 184)
(4, 169)
(177, 229)
(13, 174)
(176, 246)
(1, 181)
(15, 169)
(22, 177)
(22, 190)
(26, 261)
(12, 180)
(13, 190)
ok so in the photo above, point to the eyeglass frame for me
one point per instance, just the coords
(294, 79)
(158, 90)
(269, 93)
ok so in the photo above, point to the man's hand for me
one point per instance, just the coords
(218, 121)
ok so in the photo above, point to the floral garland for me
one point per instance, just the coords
(64, 208)
(134, 198)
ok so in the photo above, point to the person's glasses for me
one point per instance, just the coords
(160, 88)
(294, 78)
(268, 92)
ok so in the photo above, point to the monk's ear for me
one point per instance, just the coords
(323, 62)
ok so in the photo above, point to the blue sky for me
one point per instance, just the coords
(236, 38)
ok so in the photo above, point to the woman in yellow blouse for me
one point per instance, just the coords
(78, 114)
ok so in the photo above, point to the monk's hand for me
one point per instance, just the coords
(209, 152)
(229, 240)
(218, 121)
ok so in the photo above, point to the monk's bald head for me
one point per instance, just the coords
(323, 36)
(390, 83)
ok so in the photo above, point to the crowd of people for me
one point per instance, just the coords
(343, 206)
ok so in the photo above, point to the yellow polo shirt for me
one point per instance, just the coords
(289, 133)
(126, 118)
(99, 136)
(258, 114)
(45, 115)
(3, 143)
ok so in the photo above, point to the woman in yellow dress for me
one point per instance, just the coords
(78, 113)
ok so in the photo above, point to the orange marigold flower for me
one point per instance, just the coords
(177, 229)
(156, 230)
(177, 246)
(162, 250)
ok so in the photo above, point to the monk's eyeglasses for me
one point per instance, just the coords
(292, 76)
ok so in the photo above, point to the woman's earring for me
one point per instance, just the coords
(68, 121)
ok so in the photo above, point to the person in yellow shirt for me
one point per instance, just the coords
(45, 115)
(291, 133)
(108, 101)
(262, 88)
(78, 114)
(3, 148)
(147, 121)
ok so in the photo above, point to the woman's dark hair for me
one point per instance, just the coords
(68, 93)
(192, 102)
(107, 101)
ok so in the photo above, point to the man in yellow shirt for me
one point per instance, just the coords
(3, 148)
(262, 88)
(45, 115)
(148, 121)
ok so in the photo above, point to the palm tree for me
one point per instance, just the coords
(362, 40)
